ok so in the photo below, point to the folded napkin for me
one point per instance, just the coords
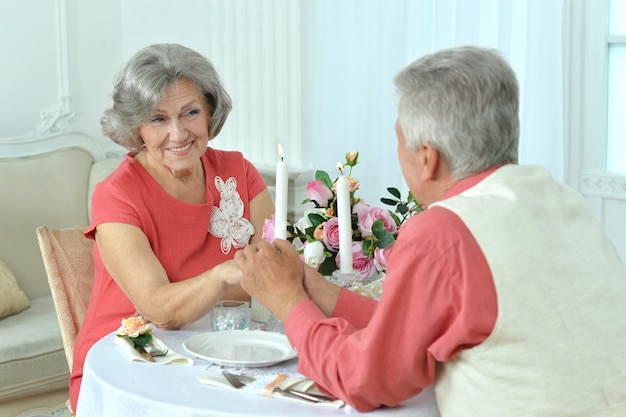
(171, 358)
(265, 384)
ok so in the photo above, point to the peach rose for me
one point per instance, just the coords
(134, 326)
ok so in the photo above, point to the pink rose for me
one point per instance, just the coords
(381, 256)
(352, 158)
(367, 215)
(331, 233)
(134, 326)
(319, 193)
(268, 230)
(352, 182)
(363, 265)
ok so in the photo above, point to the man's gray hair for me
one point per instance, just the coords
(464, 102)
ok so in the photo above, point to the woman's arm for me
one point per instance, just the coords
(129, 258)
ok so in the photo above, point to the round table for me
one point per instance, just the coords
(113, 385)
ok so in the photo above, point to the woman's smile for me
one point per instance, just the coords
(182, 150)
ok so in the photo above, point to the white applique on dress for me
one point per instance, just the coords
(227, 220)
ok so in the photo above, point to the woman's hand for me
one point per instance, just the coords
(228, 273)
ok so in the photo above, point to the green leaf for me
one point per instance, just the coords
(378, 227)
(316, 220)
(325, 178)
(403, 209)
(389, 201)
(142, 340)
(385, 239)
(368, 247)
(395, 192)
(328, 266)
(396, 218)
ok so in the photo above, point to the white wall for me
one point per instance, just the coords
(59, 58)
(95, 44)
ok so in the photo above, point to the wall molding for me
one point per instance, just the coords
(56, 119)
(603, 185)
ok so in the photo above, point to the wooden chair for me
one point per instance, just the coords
(68, 259)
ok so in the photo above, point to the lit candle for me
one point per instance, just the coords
(345, 223)
(280, 215)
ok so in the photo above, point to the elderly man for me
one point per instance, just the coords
(505, 292)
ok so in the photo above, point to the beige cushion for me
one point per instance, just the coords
(12, 298)
(32, 358)
(48, 189)
(99, 171)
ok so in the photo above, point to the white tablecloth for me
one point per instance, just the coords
(114, 386)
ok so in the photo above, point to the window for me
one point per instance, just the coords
(616, 123)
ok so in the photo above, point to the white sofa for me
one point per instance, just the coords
(43, 181)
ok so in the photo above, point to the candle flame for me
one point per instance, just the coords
(340, 167)
(280, 151)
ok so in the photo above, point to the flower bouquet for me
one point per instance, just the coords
(374, 230)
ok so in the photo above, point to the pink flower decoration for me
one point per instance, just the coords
(268, 230)
(367, 215)
(331, 234)
(352, 158)
(353, 182)
(381, 256)
(319, 193)
(362, 264)
(134, 326)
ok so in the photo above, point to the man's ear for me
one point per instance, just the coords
(430, 160)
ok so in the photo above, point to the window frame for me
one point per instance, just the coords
(586, 99)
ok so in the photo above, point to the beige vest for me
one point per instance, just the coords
(558, 347)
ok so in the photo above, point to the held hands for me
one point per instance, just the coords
(273, 275)
(228, 273)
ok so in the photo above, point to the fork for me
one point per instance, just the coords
(314, 398)
(159, 352)
(233, 380)
(152, 353)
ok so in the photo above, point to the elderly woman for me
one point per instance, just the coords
(168, 221)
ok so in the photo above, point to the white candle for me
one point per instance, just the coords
(280, 215)
(345, 224)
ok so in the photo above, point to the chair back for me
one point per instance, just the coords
(68, 260)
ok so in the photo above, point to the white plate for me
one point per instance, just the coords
(240, 348)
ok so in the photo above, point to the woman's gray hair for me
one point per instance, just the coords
(141, 83)
(464, 102)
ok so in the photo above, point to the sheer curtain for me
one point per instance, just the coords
(352, 50)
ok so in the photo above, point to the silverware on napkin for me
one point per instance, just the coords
(237, 382)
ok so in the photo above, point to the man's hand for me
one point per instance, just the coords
(273, 275)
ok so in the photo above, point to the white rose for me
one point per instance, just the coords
(314, 254)
(303, 223)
